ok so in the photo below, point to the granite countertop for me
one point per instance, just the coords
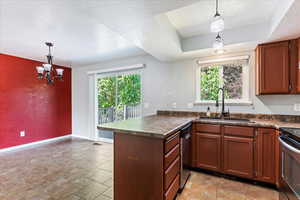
(163, 125)
(158, 126)
(253, 123)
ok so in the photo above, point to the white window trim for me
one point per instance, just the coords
(246, 83)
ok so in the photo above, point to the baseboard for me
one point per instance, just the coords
(35, 143)
(82, 137)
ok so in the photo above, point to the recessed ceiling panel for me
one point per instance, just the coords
(195, 19)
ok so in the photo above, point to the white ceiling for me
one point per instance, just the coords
(195, 19)
(90, 31)
(78, 39)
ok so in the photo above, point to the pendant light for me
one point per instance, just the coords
(217, 24)
(218, 44)
(46, 71)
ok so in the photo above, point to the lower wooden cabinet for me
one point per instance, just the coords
(237, 151)
(208, 151)
(238, 156)
(265, 155)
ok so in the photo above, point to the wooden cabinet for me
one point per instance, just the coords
(246, 152)
(146, 168)
(265, 155)
(272, 68)
(208, 154)
(238, 156)
(298, 68)
(276, 65)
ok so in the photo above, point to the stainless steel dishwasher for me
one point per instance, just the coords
(185, 152)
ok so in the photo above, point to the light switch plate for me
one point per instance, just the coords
(297, 107)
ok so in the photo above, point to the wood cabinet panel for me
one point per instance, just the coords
(208, 128)
(265, 150)
(272, 68)
(293, 51)
(208, 151)
(171, 156)
(139, 163)
(171, 142)
(171, 173)
(238, 156)
(239, 131)
(298, 68)
(172, 191)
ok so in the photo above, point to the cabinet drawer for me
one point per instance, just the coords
(172, 191)
(171, 156)
(171, 173)
(208, 128)
(239, 131)
(171, 142)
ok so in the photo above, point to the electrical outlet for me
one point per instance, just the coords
(22, 134)
(297, 107)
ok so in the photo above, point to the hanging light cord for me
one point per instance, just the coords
(217, 8)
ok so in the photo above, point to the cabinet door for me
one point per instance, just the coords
(208, 151)
(273, 68)
(265, 155)
(238, 156)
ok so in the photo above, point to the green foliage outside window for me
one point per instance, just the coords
(119, 91)
(210, 83)
(215, 76)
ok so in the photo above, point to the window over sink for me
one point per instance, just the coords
(230, 73)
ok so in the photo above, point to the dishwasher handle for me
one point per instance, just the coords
(289, 147)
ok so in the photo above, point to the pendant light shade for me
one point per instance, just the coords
(218, 44)
(218, 23)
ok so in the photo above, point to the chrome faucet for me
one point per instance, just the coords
(223, 113)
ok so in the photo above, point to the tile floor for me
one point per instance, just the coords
(76, 169)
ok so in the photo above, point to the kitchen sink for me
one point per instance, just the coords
(227, 119)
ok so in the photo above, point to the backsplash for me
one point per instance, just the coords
(283, 118)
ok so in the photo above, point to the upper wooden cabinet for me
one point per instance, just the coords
(276, 68)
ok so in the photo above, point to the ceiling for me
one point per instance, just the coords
(195, 19)
(89, 31)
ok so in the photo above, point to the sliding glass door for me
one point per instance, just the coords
(119, 97)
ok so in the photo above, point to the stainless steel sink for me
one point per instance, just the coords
(227, 119)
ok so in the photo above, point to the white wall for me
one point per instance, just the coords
(155, 85)
(165, 84)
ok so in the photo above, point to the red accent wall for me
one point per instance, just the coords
(26, 103)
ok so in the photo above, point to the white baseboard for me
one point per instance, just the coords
(82, 137)
(34, 143)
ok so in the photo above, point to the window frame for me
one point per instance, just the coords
(245, 77)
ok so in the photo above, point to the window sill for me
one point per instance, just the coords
(229, 103)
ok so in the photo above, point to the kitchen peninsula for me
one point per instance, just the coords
(147, 151)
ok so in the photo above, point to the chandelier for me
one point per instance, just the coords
(47, 71)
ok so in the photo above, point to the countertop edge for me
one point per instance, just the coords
(253, 123)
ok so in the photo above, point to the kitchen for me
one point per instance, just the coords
(195, 99)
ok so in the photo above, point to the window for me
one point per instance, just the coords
(232, 74)
(119, 97)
